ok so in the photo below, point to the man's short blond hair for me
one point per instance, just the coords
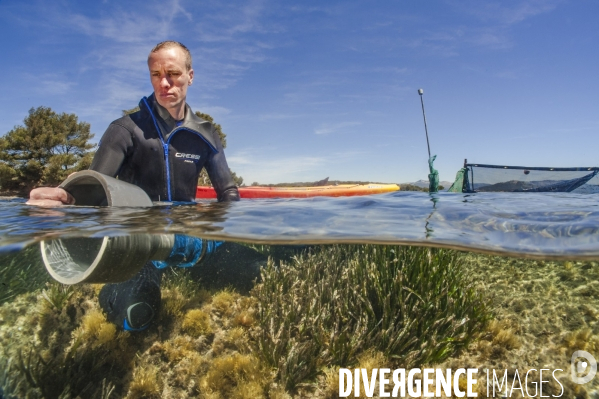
(170, 44)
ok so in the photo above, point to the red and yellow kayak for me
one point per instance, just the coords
(341, 190)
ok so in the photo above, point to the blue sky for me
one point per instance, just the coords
(306, 90)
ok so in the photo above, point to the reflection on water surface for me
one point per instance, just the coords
(558, 225)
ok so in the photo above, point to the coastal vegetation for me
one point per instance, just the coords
(412, 187)
(204, 180)
(44, 151)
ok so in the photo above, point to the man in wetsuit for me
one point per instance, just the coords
(161, 148)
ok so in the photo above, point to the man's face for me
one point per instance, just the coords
(169, 77)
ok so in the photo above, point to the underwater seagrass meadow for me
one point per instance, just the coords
(286, 332)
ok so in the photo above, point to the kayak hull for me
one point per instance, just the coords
(341, 190)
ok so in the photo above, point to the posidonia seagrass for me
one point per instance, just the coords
(327, 306)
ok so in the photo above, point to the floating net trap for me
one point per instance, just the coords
(474, 178)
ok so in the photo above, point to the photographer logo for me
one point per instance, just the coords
(579, 367)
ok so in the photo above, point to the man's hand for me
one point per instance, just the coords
(50, 196)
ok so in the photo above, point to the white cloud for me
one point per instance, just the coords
(506, 12)
(253, 165)
(215, 111)
(223, 49)
(501, 73)
(109, 71)
(496, 38)
(491, 28)
(49, 84)
(332, 128)
(280, 116)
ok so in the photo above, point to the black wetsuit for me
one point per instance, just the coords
(140, 149)
(163, 157)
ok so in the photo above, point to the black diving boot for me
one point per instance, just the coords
(231, 265)
(134, 303)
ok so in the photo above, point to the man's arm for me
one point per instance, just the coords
(112, 150)
(108, 160)
(219, 174)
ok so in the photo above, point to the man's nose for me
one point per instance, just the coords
(164, 82)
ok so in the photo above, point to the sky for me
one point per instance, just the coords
(311, 89)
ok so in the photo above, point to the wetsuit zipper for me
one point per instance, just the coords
(164, 150)
(168, 172)
(165, 146)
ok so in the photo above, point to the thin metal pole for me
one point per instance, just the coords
(421, 92)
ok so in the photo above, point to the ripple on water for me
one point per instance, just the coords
(556, 225)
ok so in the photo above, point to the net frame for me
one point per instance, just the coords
(469, 177)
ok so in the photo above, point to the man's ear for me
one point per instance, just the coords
(190, 76)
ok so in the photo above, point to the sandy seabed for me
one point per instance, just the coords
(544, 311)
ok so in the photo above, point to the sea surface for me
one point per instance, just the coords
(529, 225)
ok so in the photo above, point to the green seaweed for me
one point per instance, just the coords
(9, 380)
(21, 272)
(57, 295)
(180, 292)
(64, 377)
(60, 361)
(327, 307)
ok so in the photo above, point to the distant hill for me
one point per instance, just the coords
(424, 184)
(587, 189)
(411, 187)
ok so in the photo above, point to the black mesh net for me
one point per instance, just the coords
(499, 178)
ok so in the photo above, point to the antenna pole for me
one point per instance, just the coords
(421, 92)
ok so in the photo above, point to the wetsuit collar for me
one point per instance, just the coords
(190, 122)
(165, 121)
(163, 113)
